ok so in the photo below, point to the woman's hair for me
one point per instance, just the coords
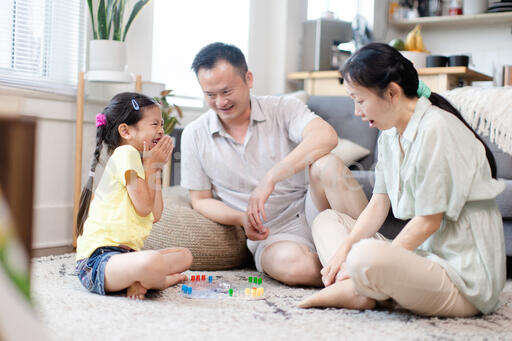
(376, 65)
(125, 107)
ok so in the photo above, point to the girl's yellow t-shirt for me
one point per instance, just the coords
(112, 219)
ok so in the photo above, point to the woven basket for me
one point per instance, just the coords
(214, 246)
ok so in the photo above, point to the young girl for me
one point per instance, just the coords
(449, 260)
(127, 201)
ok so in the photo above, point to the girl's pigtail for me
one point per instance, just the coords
(85, 197)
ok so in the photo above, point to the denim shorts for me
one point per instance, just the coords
(91, 271)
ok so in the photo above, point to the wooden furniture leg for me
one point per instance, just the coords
(78, 151)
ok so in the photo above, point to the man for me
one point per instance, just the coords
(244, 160)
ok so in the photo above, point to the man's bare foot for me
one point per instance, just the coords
(136, 291)
(338, 295)
(171, 280)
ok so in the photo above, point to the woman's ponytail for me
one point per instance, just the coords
(441, 102)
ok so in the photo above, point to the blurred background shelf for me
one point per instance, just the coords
(454, 20)
(439, 79)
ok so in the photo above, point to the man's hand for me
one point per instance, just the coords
(250, 231)
(256, 206)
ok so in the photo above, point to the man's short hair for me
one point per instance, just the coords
(209, 55)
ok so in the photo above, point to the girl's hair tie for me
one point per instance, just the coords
(101, 120)
(135, 104)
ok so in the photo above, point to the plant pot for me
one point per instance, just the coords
(107, 55)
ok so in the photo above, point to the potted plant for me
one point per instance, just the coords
(107, 52)
(170, 119)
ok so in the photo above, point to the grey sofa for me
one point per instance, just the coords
(339, 112)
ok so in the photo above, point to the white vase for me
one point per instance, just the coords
(107, 55)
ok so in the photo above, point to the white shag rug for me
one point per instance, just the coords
(69, 312)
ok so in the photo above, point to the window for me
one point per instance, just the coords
(42, 44)
(182, 28)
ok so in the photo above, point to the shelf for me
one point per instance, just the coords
(467, 73)
(453, 20)
(462, 71)
(439, 79)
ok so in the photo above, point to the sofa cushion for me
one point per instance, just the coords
(338, 111)
(503, 160)
(350, 152)
(214, 246)
(504, 200)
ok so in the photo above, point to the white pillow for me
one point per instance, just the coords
(349, 151)
(300, 95)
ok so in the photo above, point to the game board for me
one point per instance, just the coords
(199, 286)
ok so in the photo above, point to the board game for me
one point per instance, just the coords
(201, 286)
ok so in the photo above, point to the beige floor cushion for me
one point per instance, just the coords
(214, 246)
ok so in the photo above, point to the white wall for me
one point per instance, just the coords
(274, 43)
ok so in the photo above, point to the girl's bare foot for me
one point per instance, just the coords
(338, 295)
(171, 280)
(136, 291)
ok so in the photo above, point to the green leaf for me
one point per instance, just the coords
(165, 93)
(135, 11)
(178, 109)
(169, 126)
(117, 19)
(102, 20)
(110, 12)
(95, 34)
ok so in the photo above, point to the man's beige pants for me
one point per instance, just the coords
(381, 271)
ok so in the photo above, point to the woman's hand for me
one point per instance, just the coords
(334, 271)
(256, 205)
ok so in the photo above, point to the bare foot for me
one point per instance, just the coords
(136, 291)
(338, 295)
(171, 280)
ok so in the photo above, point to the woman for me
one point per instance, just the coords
(449, 260)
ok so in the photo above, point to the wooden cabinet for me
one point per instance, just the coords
(17, 155)
(439, 79)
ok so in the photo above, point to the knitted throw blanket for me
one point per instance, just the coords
(487, 110)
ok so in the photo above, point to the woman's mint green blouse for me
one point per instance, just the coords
(443, 168)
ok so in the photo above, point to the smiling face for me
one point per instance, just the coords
(149, 129)
(371, 107)
(226, 92)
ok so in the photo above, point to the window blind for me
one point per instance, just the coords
(42, 44)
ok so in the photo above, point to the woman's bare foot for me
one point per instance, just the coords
(136, 291)
(338, 295)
